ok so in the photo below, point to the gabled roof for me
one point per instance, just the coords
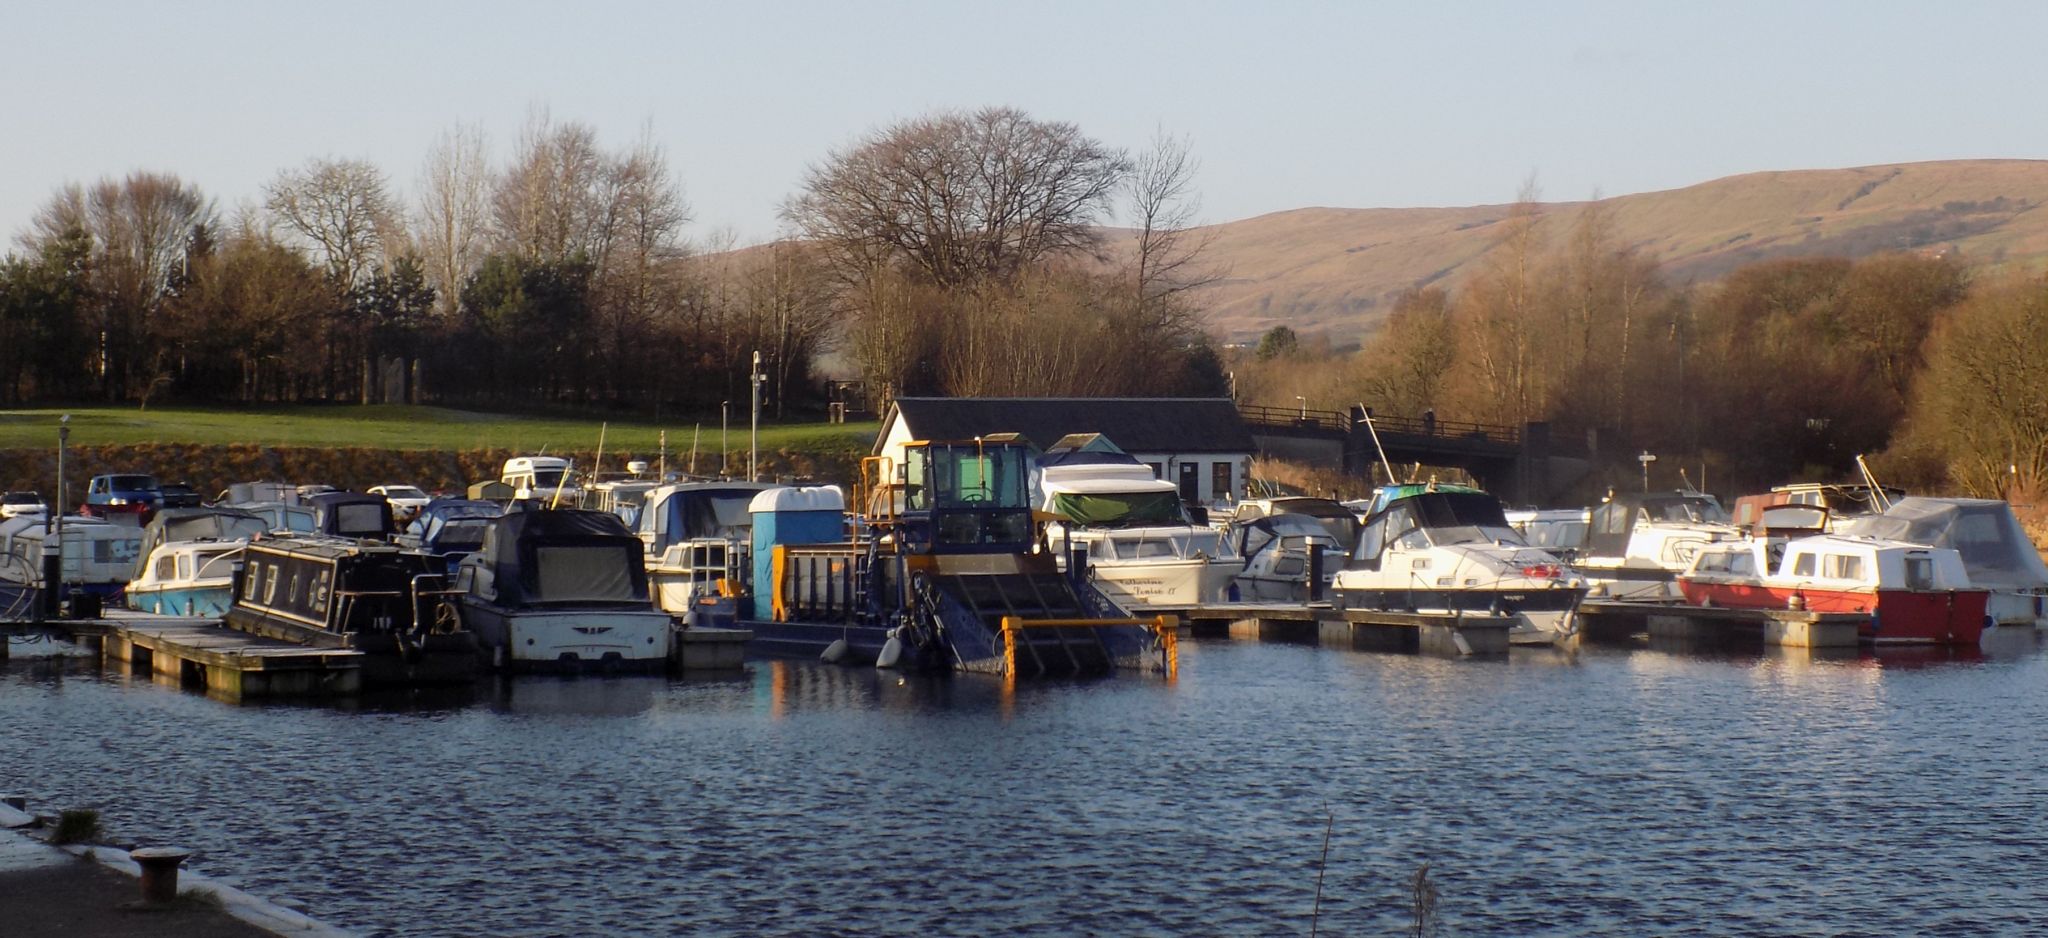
(1137, 424)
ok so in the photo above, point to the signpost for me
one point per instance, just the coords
(1646, 459)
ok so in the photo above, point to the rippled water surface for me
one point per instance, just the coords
(1621, 792)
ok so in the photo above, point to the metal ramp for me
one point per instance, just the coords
(1032, 625)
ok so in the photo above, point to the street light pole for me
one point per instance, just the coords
(724, 451)
(754, 441)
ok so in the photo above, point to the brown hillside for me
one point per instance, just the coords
(1334, 271)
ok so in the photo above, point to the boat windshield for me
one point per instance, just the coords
(1189, 544)
(548, 478)
(711, 514)
(1446, 518)
(1692, 510)
(216, 563)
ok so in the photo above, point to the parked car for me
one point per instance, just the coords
(179, 495)
(21, 504)
(406, 501)
(123, 496)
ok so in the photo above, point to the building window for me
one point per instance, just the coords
(1220, 480)
(1158, 470)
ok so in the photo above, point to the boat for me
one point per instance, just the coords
(1561, 531)
(1637, 543)
(1446, 549)
(188, 560)
(1996, 552)
(562, 589)
(353, 516)
(372, 597)
(944, 574)
(98, 554)
(697, 539)
(1130, 530)
(449, 529)
(1282, 539)
(1914, 594)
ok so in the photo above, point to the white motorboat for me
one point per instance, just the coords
(697, 541)
(1140, 547)
(562, 589)
(1637, 543)
(188, 560)
(1448, 550)
(1282, 540)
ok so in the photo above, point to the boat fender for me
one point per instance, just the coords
(891, 656)
(835, 652)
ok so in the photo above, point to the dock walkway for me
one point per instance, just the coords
(1358, 629)
(1789, 628)
(202, 653)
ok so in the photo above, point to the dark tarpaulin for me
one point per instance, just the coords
(565, 555)
(1120, 508)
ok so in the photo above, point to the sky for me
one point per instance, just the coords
(1286, 104)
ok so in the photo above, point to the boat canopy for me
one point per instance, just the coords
(690, 511)
(566, 556)
(198, 524)
(1614, 522)
(352, 514)
(1995, 550)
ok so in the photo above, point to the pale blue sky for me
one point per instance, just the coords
(1287, 104)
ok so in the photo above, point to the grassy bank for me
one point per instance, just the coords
(403, 427)
(356, 447)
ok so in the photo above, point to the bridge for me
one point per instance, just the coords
(1520, 464)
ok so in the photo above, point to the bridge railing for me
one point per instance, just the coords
(1338, 421)
(1261, 415)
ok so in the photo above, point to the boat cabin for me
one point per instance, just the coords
(98, 555)
(352, 515)
(1433, 518)
(536, 557)
(540, 477)
(1833, 562)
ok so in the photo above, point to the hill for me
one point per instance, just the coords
(1335, 271)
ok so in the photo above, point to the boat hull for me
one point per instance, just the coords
(1541, 616)
(210, 602)
(1897, 617)
(1170, 585)
(571, 639)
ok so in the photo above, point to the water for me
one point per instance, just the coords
(1624, 792)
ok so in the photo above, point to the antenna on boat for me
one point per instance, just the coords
(1878, 496)
(1365, 413)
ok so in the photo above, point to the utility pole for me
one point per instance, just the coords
(724, 451)
(754, 443)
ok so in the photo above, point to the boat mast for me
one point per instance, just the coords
(1369, 428)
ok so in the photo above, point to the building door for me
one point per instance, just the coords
(1191, 481)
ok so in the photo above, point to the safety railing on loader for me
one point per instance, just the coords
(1165, 631)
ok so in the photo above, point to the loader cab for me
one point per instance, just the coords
(970, 497)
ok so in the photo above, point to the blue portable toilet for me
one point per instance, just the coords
(812, 514)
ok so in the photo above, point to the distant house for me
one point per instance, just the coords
(1199, 443)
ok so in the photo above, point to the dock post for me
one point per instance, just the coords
(159, 872)
(1315, 574)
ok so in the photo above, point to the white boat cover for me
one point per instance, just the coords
(1996, 551)
(799, 498)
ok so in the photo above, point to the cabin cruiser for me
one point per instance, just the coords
(1282, 539)
(1140, 547)
(1995, 550)
(1914, 594)
(562, 589)
(450, 529)
(695, 536)
(1637, 543)
(189, 558)
(98, 555)
(1448, 550)
(547, 479)
(1561, 531)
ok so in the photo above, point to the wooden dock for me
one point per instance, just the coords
(228, 664)
(1352, 629)
(1719, 625)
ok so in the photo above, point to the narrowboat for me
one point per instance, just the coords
(384, 601)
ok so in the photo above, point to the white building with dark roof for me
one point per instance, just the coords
(1200, 444)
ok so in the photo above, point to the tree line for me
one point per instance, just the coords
(1784, 370)
(956, 253)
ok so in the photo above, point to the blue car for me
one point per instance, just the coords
(124, 496)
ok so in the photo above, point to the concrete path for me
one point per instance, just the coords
(93, 892)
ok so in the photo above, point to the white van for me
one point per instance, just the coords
(541, 477)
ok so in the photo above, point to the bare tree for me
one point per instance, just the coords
(342, 208)
(960, 196)
(453, 211)
(544, 205)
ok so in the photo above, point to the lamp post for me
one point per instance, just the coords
(724, 452)
(754, 440)
(1646, 459)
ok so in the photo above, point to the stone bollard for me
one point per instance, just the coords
(159, 872)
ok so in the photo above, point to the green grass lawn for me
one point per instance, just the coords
(402, 427)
